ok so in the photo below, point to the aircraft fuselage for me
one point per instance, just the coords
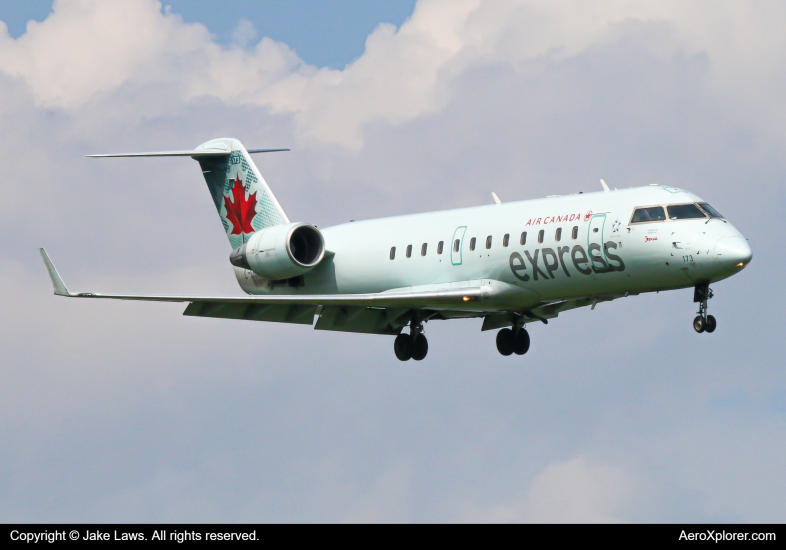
(556, 248)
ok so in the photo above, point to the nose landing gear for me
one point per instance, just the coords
(703, 322)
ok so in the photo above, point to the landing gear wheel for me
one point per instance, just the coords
(419, 347)
(704, 322)
(521, 344)
(403, 347)
(506, 341)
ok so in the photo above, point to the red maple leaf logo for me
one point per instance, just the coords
(242, 210)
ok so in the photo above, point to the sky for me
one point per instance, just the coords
(327, 33)
(131, 412)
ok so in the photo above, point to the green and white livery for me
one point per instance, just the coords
(510, 264)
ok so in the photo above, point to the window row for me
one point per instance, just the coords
(473, 242)
(675, 212)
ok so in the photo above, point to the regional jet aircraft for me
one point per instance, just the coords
(509, 264)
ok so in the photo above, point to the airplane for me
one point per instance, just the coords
(509, 263)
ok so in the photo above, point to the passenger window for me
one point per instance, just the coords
(684, 212)
(488, 242)
(575, 233)
(393, 253)
(558, 234)
(710, 210)
(540, 235)
(506, 239)
(456, 245)
(472, 244)
(524, 238)
(423, 249)
(439, 247)
(409, 251)
(651, 214)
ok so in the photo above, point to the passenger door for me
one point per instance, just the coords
(595, 242)
(457, 244)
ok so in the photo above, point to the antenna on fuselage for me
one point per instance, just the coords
(496, 198)
(605, 187)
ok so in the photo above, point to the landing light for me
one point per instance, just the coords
(741, 264)
(466, 298)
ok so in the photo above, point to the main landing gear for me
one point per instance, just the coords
(515, 340)
(703, 322)
(413, 345)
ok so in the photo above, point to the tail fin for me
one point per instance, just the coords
(242, 198)
(241, 195)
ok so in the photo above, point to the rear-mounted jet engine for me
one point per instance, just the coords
(281, 252)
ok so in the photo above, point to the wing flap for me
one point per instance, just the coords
(362, 320)
(299, 314)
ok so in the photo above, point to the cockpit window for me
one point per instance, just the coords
(710, 210)
(684, 211)
(649, 214)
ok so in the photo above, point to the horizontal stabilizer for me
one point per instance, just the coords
(190, 153)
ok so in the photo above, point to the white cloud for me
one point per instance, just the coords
(87, 47)
(244, 33)
(574, 491)
(577, 491)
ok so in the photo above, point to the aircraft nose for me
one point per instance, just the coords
(733, 251)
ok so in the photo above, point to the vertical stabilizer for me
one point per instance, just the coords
(241, 195)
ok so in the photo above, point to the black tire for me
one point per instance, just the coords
(403, 347)
(506, 341)
(699, 324)
(710, 324)
(419, 347)
(521, 345)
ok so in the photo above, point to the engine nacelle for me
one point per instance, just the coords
(281, 252)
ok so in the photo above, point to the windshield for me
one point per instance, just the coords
(651, 214)
(684, 211)
(710, 210)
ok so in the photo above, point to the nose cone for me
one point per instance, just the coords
(733, 252)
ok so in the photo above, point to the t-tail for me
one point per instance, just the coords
(243, 199)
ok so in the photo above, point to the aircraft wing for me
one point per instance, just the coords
(379, 313)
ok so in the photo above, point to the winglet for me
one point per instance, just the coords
(605, 187)
(496, 198)
(57, 281)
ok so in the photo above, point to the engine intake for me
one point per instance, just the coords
(281, 252)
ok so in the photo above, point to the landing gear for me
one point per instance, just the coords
(403, 347)
(411, 346)
(522, 342)
(419, 347)
(703, 322)
(509, 342)
(505, 341)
